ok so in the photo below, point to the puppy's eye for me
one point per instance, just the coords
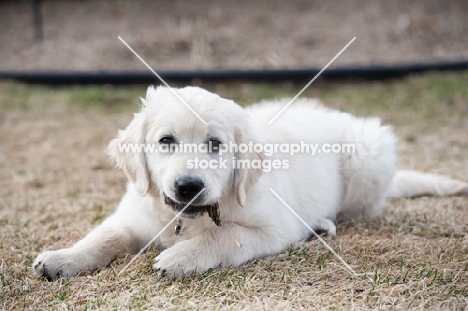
(213, 144)
(167, 140)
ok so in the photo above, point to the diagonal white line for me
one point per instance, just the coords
(160, 232)
(315, 233)
(308, 84)
(159, 77)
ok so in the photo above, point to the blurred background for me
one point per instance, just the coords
(242, 34)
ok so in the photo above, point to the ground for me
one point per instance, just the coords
(246, 34)
(56, 184)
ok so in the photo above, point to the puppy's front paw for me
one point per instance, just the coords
(184, 258)
(55, 264)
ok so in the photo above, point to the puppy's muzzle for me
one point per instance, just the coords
(186, 188)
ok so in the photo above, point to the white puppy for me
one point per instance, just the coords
(252, 222)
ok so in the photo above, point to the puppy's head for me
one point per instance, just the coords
(168, 159)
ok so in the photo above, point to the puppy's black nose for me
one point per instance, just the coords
(187, 188)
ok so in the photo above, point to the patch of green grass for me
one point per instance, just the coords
(322, 260)
(24, 97)
(423, 96)
(107, 98)
(16, 96)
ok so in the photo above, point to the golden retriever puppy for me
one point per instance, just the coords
(225, 191)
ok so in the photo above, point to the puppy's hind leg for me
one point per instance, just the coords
(325, 227)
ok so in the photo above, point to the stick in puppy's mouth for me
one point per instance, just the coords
(212, 209)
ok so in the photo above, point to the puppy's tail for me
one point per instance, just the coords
(408, 184)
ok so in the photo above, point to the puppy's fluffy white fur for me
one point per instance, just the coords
(321, 189)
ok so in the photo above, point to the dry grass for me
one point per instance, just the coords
(56, 184)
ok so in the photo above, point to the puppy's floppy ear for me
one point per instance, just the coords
(246, 177)
(132, 161)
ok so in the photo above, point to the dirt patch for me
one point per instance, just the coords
(224, 34)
